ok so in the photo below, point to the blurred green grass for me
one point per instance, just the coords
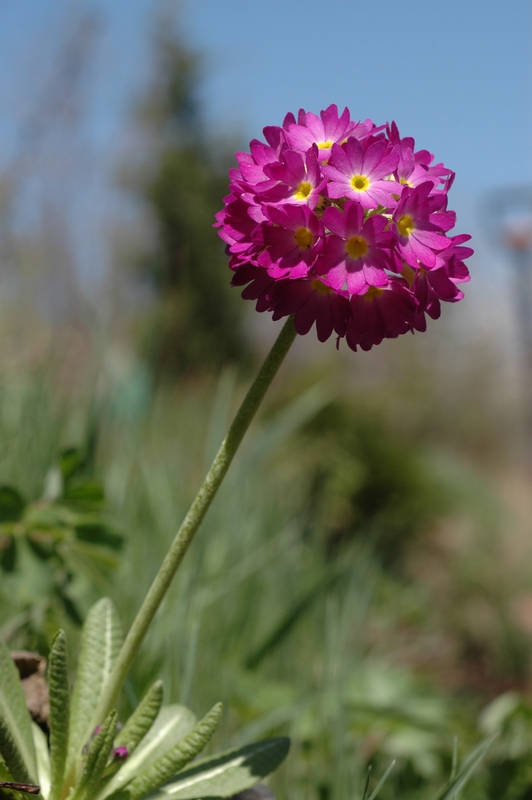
(297, 629)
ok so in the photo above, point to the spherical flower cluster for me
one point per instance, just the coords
(344, 225)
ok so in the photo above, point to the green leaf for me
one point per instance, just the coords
(71, 461)
(12, 504)
(52, 518)
(101, 557)
(83, 492)
(4, 772)
(167, 765)
(43, 759)
(58, 687)
(101, 640)
(69, 605)
(172, 724)
(228, 773)
(99, 533)
(43, 548)
(468, 767)
(13, 709)
(99, 752)
(8, 553)
(142, 719)
(12, 756)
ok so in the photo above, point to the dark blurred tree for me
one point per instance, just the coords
(197, 320)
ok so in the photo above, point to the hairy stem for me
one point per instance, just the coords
(192, 521)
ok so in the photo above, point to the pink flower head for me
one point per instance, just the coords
(430, 287)
(311, 302)
(325, 130)
(380, 313)
(345, 226)
(410, 173)
(298, 179)
(291, 243)
(415, 165)
(258, 284)
(357, 252)
(454, 258)
(358, 174)
(419, 236)
(252, 164)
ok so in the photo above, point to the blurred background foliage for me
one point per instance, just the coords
(363, 581)
(196, 323)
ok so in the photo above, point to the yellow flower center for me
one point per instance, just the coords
(320, 287)
(325, 145)
(359, 183)
(405, 182)
(356, 246)
(304, 238)
(303, 190)
(405, 225)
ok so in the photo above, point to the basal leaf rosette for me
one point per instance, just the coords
(344, 225)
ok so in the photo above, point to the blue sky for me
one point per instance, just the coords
(456, 75)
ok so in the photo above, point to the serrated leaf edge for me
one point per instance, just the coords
(10, 752)
(171, 762)
(142, 719)
(101, 626)
(58, 687)
(144, 754)
(13, 708)
(99, 751)
(239, 757)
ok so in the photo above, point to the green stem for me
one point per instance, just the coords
(193, 519)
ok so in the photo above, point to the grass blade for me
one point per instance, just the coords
(468, 767)
(382, 781)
